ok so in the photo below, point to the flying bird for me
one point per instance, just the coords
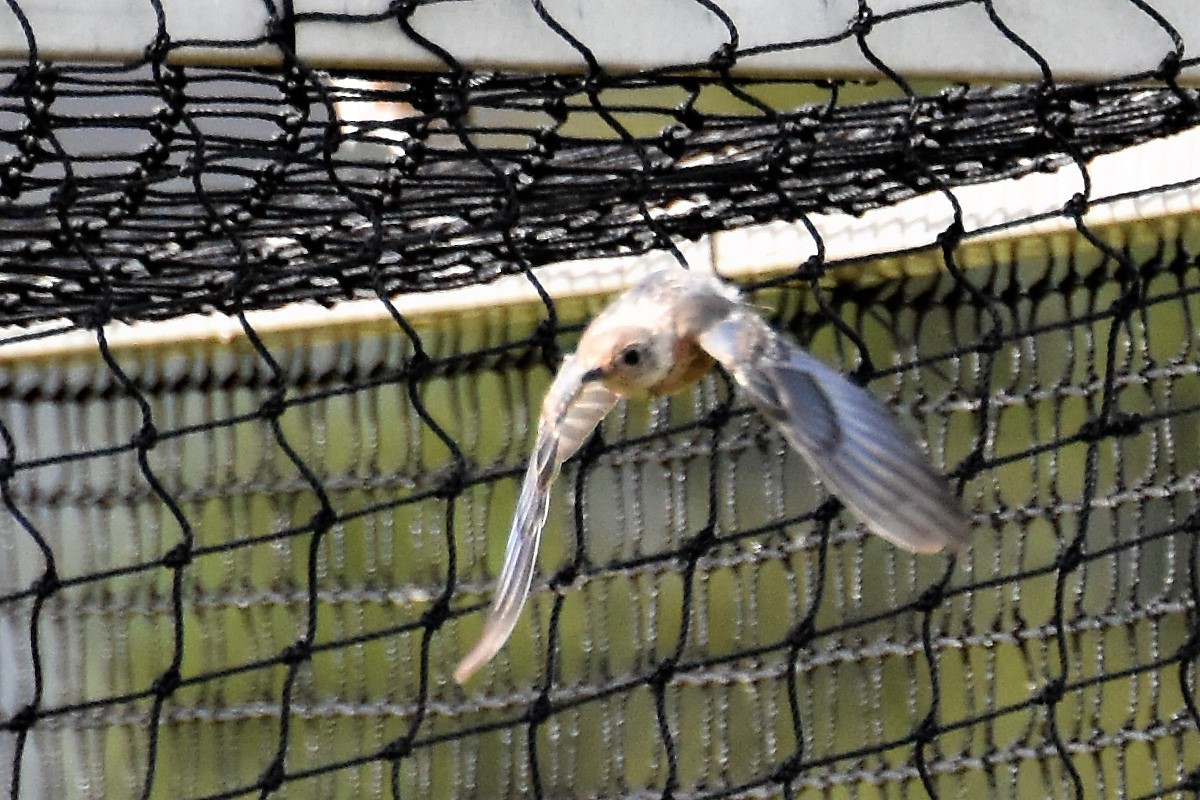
(662, 336)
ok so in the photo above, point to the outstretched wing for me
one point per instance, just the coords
(571, 412)
(857, 448)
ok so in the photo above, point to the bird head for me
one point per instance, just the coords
(629, 360)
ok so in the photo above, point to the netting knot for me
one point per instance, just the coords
(177, 557)
(1128, 301)
(36, 84)
(273, 407)
(23, 720)
(539, 710)
(925, 732)
(8, 468)
(565, 576)
(673, 141)
(418, 366)
(801, 127)
(297, 653)
(789, 164)
(28, 80)
(1076, 207)
(557, 108)
(864, 372)
(453, 105)
(1169, 68)
(717, 417)
(827, 512)
(1071, 558)
(788, 770)
(930, 599)
(166, 684)
(451, 484)
(161, 127)
(969, 467)
(1058, 122)
(921, 140)
(801, 635)
(156, 52)
(690, 118)
(410, 159)
(397, 749)
(952, 98)
(698, 545)
(636, 187)
(11, 179)
(662, 674)
(812, 268)
(1190, 649)
(272, 777)
(437, 614)
(989, 342)
(1123, 424)
(723, 58)
(47, 584)
(596, 80)
(30, 148)
(403, 9)
(1098, 428)
(1052, 693)
(952, 236)
(863, 22)
(146, 438)
(94, 318)
(322, 520)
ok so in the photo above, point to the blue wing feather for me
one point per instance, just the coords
(855, 445)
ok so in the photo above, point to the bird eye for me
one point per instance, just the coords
(631, 357)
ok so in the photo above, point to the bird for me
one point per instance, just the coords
(661, 336)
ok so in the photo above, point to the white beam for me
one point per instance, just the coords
(1080, 39)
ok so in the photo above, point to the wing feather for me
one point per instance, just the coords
(855, 445)
(571, 412)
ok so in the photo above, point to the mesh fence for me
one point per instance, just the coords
(244, 565)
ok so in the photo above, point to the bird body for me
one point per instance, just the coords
(662, 336)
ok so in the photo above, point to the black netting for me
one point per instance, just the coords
(244, 565)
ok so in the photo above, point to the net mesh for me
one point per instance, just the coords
(245, 565)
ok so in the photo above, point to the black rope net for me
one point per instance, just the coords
(246, 566)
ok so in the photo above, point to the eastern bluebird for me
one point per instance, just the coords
(662, 336)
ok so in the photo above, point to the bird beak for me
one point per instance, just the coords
(592, 375)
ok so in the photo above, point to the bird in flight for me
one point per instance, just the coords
(662, 336)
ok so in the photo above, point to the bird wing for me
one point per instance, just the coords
(571, 412)
(858, 449)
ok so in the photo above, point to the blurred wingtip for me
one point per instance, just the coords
(952, 538)
(958, 540)
(931, 545)
(944, 527)
(496, 630)
(472, 661)
(512, 587)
